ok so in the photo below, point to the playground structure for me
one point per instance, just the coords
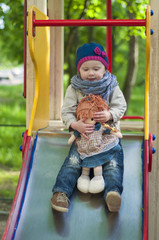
(42, 118)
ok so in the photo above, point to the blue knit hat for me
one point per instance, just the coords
(91, 51)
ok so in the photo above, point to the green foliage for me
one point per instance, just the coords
(137, 102)
(11, 41)
(130, 10)
(121, 9)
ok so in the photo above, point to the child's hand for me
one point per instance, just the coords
(103, 116)
(82, 127)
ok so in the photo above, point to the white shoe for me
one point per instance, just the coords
(113, 201)
(96, 184)
(83, 183)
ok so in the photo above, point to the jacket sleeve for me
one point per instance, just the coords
(68, 111)
(117, 104)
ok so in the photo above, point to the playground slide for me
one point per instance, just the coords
(31, 215)
(88, 217)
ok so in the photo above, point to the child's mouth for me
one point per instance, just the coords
(91, 79)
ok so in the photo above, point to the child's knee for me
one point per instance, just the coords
(112, 164)
(74, 160)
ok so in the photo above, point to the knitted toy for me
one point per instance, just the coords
(90, 149)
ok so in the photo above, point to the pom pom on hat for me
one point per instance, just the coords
(91, 51)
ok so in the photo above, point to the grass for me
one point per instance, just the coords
(10, 141)
(12, 106)
(8, 183)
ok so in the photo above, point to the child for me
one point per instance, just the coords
(92, 78)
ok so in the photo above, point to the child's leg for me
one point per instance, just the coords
(69, 173)
(97, 182)
(113, 176)
(84, 180)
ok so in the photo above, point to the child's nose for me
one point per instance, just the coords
(91, 72)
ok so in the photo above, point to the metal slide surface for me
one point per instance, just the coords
(88, 217)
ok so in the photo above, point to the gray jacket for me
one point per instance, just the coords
(117, 105)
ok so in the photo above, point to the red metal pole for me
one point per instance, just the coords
(109, 35)
(146, 186)
(133, 117)
(83, 22)
(25, 50)
(14, 213)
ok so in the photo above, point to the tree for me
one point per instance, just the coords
(124, 39)
(132, 10)
(11, 41)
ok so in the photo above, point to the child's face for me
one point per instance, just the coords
(92, 70)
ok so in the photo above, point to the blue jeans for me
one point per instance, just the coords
(71, 170)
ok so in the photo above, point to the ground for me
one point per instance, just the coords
(5, 206)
